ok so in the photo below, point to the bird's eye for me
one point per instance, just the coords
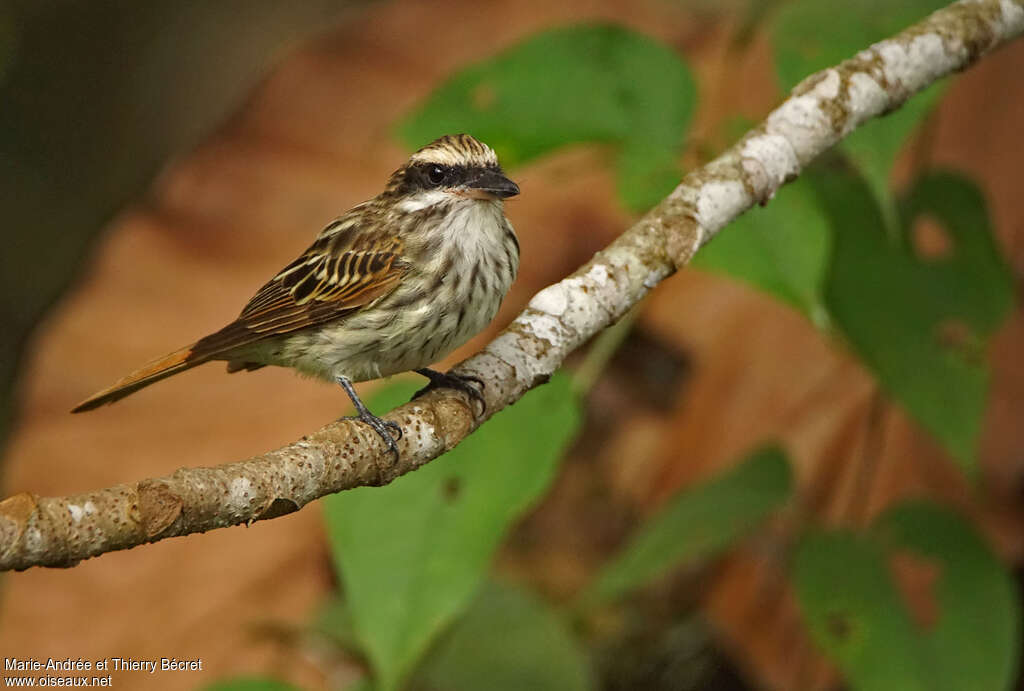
(436, 175)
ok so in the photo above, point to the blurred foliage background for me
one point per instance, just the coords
(798, 465)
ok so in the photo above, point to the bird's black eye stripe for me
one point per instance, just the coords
(436, 174)
(431, 175)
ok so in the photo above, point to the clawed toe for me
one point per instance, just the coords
(396, 430)
(459, 382)
(388, 431)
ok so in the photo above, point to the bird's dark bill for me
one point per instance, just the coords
(491, 184)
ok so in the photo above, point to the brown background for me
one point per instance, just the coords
(315, 138)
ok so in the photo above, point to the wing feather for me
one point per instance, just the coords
(342, 271)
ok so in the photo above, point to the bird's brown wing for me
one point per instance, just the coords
(339, 274)
(343, 271)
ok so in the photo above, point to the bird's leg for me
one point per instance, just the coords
(459, 382)
(381, 427)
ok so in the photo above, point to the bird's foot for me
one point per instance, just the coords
(387, 430)
(459, 382)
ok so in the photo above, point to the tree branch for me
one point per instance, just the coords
(61, 531)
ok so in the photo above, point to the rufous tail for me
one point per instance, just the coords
(178, 361)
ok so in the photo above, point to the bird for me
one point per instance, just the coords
(395, 284)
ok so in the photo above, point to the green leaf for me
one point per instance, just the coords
(983, 280)
(810, 35)
(697, 524)
(588, 83)
(506, 641)
(334, 621)
(250, 684)
(854, 613)
(412, 554)
(361, 684)
(782, 249)
(976, 642)
(920, 325)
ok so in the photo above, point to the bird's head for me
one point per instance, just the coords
(454, 168)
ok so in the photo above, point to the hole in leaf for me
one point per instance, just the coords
(931, 240)
(958, 336)
(953, 333)
(916, 578)
(839, 626)
(451, 488)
